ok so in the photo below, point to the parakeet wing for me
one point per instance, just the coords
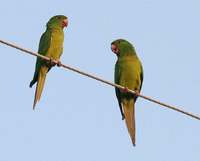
(141, 78)
(45, 41)
(117, 90)
(44, 44)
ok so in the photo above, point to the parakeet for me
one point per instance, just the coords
(128, 73)
(51, 45)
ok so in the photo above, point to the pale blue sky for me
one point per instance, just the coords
(77, 118)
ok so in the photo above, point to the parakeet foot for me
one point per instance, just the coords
(137, 93)
(51, 62)
(126, 89)
(59, 63)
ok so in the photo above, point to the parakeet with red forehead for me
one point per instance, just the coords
(51, 45)
(128, 73)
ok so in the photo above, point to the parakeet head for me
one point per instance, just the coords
(59, 21)
(122, 47)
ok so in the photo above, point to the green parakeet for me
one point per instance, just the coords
(51, 45)
(128, 73)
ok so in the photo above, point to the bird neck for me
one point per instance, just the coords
(53, 27)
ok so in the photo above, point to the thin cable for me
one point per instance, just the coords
(99, 79)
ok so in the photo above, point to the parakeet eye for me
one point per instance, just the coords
(119, 42)
(59, 17)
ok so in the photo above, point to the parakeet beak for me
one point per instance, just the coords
(114, 49)
(65, 23)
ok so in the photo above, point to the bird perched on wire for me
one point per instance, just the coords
(128, 73)
(51, 45)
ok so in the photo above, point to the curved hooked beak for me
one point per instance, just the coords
(114, 49)
(65, 23)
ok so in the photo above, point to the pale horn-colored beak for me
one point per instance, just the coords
(114, 49)
(65, 22)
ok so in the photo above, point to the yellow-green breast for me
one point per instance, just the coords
(56, 45)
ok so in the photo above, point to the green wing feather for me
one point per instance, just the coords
(41, 69)
(45, 42)
(117, 90)
(44, 45)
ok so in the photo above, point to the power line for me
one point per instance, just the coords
(99, 79)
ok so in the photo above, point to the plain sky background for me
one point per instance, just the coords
(78, 118)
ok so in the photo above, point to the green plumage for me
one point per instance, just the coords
(51, 45)
(129, 73)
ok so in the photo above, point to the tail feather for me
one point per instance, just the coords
(130, 121)
(40, 85)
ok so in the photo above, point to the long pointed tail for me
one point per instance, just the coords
(130, 121)
(40, 84)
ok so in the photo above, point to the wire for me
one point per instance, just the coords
(99, 79)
